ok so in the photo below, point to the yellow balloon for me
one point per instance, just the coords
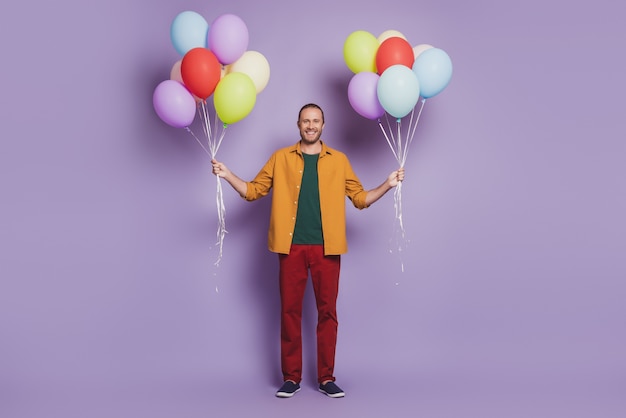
(359, 51)
(234, 97)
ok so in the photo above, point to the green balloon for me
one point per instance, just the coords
(234, 97)
(359, 51)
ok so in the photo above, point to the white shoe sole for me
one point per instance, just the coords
(286, 395)
(333, 395)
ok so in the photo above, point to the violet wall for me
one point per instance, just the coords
(511, 302)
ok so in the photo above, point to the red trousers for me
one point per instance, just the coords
(293, 276)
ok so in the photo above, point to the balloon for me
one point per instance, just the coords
(255, 65)
(394, 51)
(359, 51)
(363, 96)
(234, 97)
(398, 90)
(390, 34)
(174, 104)
(433, 69)
(175, 72)
(188, 30)
(418, 49)
(200, 71)
(228, 38)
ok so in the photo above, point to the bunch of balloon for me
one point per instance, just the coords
(215, 62)
(390, 77)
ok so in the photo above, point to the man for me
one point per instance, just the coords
(310, 182)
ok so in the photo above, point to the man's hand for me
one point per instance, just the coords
(395, 177)
(219, 169)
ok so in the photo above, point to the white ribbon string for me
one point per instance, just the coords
(411, 131)
(391, 145)
(399, 146)
(213, 145)
(221, 220)
(199, 142)
(399, 235)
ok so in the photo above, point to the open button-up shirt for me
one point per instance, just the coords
(283, 173)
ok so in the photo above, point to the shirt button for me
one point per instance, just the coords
(290, 233)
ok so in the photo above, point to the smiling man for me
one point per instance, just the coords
(307, 230)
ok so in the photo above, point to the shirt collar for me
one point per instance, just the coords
(325, 149)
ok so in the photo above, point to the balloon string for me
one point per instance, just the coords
(398, 206)
(398, 191)
(204, 115)
(400, 148)
(382, 128)
(213, 147)
(408, 137)
(198, 141)
(411, 135)
(215, 129)
(411, 120)
(219, 142)
(391, 135)
(221, 218)
(399, 153)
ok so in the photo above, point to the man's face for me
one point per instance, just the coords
(310, 125)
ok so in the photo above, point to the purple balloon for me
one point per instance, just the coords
(174, 104)
(228, 38)
(363, 95)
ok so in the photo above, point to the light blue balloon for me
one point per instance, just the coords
(433, 69)
(189, 30)
(398, 90)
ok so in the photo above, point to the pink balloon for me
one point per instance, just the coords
(363, 96)
(175, 73)
(174, 104)
(228, 38)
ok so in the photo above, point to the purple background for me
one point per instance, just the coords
(512, 299)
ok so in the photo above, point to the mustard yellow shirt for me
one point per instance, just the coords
(283, 173)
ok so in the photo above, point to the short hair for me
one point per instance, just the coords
(309, 106)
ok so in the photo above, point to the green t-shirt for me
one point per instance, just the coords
(308, 228)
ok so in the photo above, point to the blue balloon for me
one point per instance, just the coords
(189, 30)
(433, 69)
(398, 90)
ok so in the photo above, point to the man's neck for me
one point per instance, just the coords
(314, 148)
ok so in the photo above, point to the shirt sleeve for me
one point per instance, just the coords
(354, 189)
(262, 184)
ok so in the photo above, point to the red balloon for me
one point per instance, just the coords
(200, 71)
(394, 51)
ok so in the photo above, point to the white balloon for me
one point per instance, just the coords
(256, 66)
(390, 34)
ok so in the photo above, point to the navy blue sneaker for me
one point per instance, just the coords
(288, 389)
(332, 390)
